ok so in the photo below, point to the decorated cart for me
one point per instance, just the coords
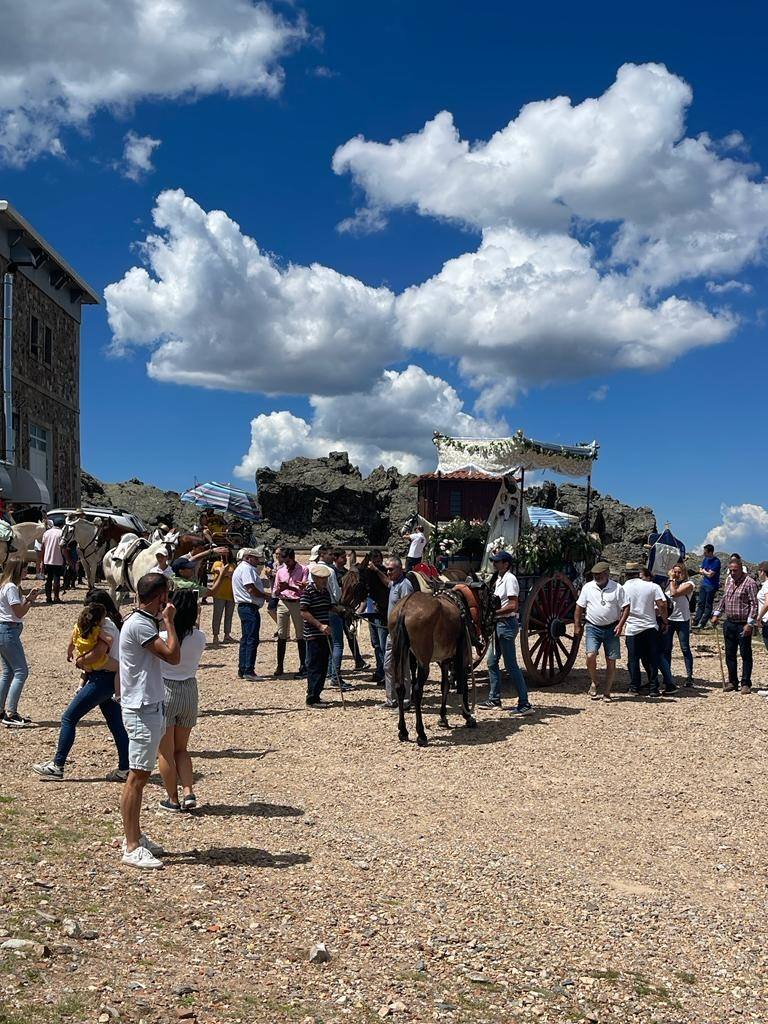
(552, 550)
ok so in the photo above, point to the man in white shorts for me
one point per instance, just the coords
(142, 698)
(603, 604)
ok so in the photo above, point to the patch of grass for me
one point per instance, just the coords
(686, 977)
(607, 975)
(71, 1006)
(65, 1010)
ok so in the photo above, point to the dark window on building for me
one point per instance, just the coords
(454, 504)
(34, 337)
(48, 347)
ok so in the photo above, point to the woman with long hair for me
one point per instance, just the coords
(181, 704)
(13, 607)
(99, 687)
(679, 592)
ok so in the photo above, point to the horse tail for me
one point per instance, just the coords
(401, 648)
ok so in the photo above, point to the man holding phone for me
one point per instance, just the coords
(142, 698)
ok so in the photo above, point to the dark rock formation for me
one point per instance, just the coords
(148, 502)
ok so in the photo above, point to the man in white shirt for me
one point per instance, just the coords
(248, 592)
(507, 591)
(142, 699)
(416, 549)
(53, 563)
(604, 605)
(646, 603)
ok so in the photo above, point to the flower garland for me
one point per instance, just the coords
(500, 455)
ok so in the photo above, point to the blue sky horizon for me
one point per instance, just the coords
(431, 218)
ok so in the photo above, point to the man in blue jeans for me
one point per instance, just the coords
(248, 592)
(710, 584)
(507, 590)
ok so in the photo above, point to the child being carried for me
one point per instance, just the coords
(85, 636)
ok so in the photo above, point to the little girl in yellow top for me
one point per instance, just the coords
(85, 635)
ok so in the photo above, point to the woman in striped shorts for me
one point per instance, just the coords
(181, 706)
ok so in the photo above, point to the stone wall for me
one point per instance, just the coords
(46, 395)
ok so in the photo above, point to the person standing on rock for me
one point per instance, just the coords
(248, 591)
(289, 583)
(646, 604)
(739, 604)
(142, 696)
(604, 605)
(399, 587)
(315, 604)
(416, 549)
(710, 584)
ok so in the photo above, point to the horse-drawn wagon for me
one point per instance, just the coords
(485, 478)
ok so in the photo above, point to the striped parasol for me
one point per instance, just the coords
(549, 517)
(225, 498)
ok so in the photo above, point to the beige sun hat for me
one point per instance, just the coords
(321, 571)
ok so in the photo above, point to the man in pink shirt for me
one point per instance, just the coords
(290, 581)
(53, 563)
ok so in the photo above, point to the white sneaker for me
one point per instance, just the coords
(154, 848)
(762, 693)
(117, 775)
(48, 770)
(141, 858)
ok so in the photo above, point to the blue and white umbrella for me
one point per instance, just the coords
(226, 498)
(550, 517)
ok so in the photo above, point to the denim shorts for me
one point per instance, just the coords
(145, 727)
(603, 636)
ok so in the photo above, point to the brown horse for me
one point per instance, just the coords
(434, 628)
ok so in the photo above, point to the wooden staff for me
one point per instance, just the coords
(720, 653)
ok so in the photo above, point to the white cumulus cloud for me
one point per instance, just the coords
(390, 424)
(63, 60)
(137, 155)
(729, 286)
(743, 528)
(219, 312)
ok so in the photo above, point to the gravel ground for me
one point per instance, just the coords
(593, 862)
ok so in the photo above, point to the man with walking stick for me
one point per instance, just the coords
(739, 602)
(315, 604)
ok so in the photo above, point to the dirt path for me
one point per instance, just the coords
(593, 862)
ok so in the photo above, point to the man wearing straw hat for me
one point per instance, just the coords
(605, 606)
(315, 604)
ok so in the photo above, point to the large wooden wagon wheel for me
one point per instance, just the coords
(546, 633)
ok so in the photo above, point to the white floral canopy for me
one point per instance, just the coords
(503, 455)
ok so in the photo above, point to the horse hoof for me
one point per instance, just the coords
(422, 741)
(471, 723)
(403, 737)
(443, 723)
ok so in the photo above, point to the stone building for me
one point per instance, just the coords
(40, 414)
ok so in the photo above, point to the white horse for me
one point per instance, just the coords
(91, 542)
(124, 567)
(24, 537)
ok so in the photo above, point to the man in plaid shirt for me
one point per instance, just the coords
(739, 602)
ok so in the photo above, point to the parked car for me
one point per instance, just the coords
(127, 520)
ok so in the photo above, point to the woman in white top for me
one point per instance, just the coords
(99, 688)
(13, 607)
(679, 592)
(181, 704)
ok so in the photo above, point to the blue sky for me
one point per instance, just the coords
(671, 436)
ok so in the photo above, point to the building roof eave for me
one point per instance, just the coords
(89, 296)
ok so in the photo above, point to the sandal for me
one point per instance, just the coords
(189, 803)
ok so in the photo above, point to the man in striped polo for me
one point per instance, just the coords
(315, 604)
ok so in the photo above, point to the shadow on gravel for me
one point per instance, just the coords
(246, 856)
(234, 712)
(257, 809)
(233, 752)
(493, 730)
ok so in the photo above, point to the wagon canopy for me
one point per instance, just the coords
(503, 455)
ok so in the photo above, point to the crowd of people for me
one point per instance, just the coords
(141, 670)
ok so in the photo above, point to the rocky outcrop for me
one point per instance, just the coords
(328, 499)
(148, 502)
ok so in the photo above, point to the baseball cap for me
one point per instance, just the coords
(502, 556)
(182, 563)
(314, 554)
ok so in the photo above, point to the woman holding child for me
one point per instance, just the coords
(94, 650)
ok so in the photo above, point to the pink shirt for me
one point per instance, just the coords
(285, 582)
(51, 542)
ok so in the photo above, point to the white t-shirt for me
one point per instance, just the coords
(192, 647)
(506, 587)
(682, 606)
(141, 671)
(762, 597)
(9, 595)
(110, 629)
(642, 596)
(241, 577)
(418, 543)
(603, 607)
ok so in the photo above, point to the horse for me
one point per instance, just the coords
(24, 537)
(434, 628)
(124, 565)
